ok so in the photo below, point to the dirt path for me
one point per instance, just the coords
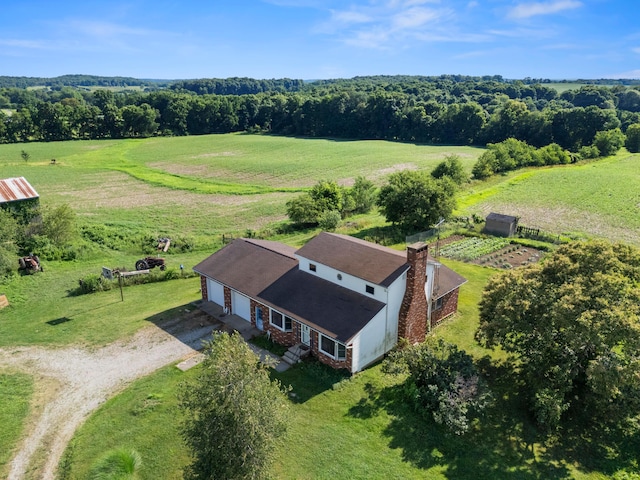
(72, 382)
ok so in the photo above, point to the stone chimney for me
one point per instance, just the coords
(412, 322)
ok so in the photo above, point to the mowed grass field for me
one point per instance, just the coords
(202, 187)
(595, 199)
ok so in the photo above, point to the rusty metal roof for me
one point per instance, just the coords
(15, 189)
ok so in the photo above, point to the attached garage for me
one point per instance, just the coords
(240, 305)
(216, 292)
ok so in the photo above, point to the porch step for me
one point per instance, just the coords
(290, 358)
(295, 353)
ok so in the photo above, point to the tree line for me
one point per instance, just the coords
(438, 110)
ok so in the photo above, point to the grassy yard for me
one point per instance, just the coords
(16, 391)
(43, 313)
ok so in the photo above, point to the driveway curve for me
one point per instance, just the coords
(86, 378)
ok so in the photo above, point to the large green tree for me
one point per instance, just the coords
(235, 414)
(415, 201)
(633, 138)
(571, 324)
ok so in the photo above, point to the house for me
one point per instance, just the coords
(17, 195)
(498, 224)
(346, 299)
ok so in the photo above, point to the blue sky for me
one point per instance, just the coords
(319, 39)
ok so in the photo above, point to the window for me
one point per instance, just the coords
(281, 321)
(369, 289)
(332, 348)
(277, 319)
(438, 304)
(312, 267)
(339, 276)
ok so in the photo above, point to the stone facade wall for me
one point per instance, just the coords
(203, 288)
(449, 307)
(412, 322)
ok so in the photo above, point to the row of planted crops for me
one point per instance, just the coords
(472, 248)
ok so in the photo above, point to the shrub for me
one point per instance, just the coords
(443, 383)
(329, 220)
(609, 141)
(633, 138)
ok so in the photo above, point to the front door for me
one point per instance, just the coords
(305, 334)
(259, 321)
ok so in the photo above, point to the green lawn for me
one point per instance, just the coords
(596, 199)
(16, 391)
(43, 313)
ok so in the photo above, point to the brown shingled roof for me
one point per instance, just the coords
(248, 266)
(448, 280)
(334, 310)
(365, 260)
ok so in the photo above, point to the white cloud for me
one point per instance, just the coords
(106, 29)
(636, 50)
(351, 17)
(413, 18)
(27, 44)
(627, 74)
(392, 23)
(526, 10)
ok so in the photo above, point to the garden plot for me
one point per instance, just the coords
(491, 252)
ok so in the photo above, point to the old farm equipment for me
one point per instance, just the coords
(148, 263)
(29, 264)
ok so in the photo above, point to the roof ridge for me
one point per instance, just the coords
(367, 244)
(254, 241)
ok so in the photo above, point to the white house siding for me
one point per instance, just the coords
(216, 292)
(369, 344)
(395, 294)
(428, 286)
(354, 284)
(240, 305)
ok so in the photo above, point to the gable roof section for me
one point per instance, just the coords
(248, 266)
(448, 280)
(16, 189)
(334, 310)
(501, 218)
(368, 261)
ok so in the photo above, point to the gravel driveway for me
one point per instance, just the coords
(71, 383)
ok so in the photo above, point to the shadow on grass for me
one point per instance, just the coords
(499, 445)
(310, 378)
(383, 235)
(187, 323)
(602, 448)
(58, 321)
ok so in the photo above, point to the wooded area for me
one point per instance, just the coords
(441, 110)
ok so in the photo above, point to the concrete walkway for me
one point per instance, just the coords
(233, 323)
